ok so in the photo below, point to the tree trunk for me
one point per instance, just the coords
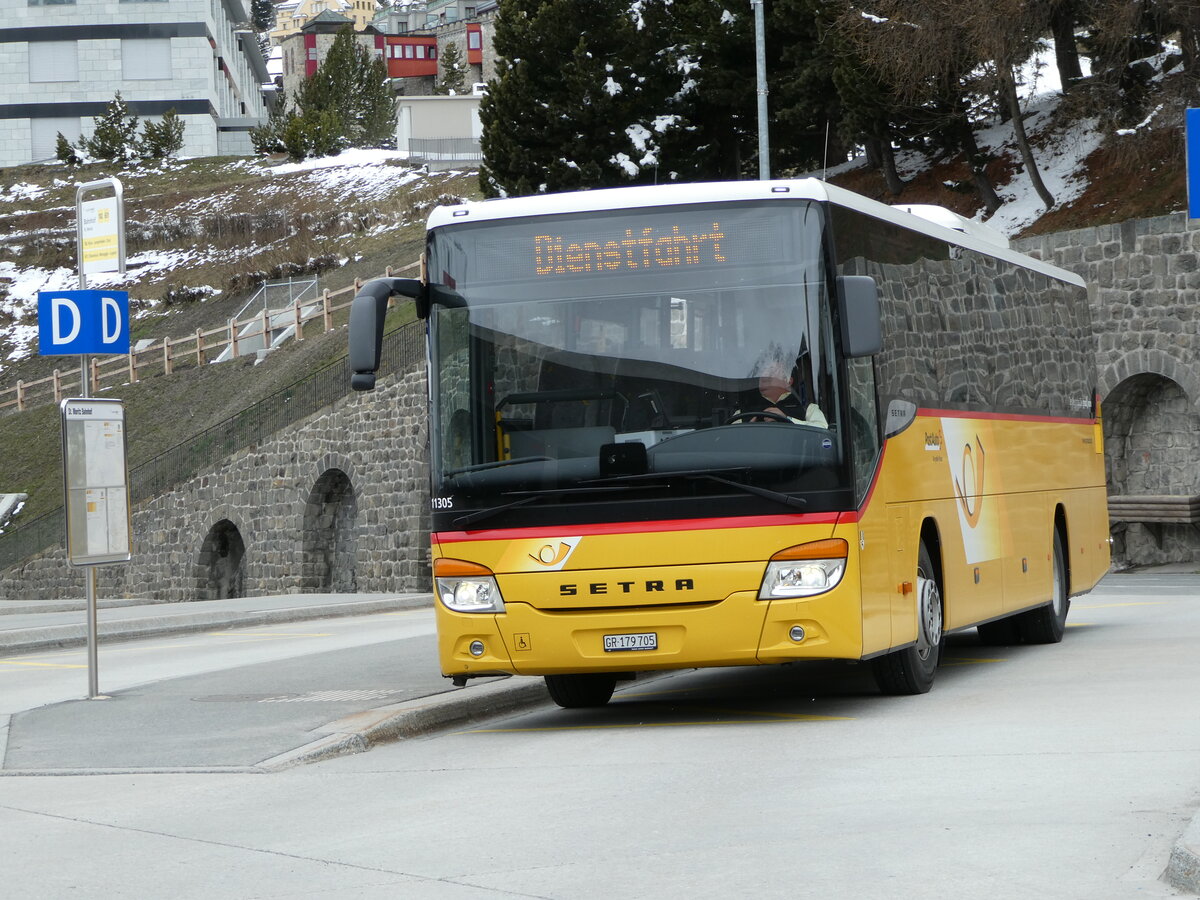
(1009, 88)
(976, 160)
(1066, 53)
(874, 148)
(891, 177)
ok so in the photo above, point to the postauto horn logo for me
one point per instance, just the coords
(553, 554)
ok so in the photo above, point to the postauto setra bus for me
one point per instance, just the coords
(614, 490)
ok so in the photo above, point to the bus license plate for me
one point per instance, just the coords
(646, 640)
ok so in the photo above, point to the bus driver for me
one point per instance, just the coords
(785, 394)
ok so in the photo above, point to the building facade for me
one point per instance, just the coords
(412, 53)
(292, 15)
(64, 60)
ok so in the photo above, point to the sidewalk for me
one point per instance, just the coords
(26, 626)
(277, 724)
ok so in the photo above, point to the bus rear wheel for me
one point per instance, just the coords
(1047, 624)
(911, 670)
(577, 691)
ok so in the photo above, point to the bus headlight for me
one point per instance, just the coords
(805, 570)
(466, 587)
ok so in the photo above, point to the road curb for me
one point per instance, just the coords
(52, 637)
(1183, 869)
(387, 724)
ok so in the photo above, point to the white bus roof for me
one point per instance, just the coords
(942, 224)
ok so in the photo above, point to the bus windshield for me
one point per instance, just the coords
(678, 351)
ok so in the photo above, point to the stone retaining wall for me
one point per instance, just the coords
(1143, 280)
(267, 493)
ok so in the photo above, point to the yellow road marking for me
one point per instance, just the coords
(969, 661)
(42, 665)
(1130, 603)
(624, 694)
(655, 725)
(269, 634)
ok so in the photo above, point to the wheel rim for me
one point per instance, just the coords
(929, 634)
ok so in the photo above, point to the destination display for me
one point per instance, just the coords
(697, 247)
(642, 248)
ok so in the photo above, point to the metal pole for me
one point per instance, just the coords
(760, 65)
(86, 391)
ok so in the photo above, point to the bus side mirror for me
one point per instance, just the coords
(367, 313)
(858, 311)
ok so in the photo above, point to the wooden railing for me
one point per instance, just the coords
(194, 349)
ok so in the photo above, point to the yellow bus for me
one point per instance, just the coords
(745, 423)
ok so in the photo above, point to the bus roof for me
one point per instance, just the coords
(945, 226)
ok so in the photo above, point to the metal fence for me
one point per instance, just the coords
(403, 349)
(445, 153)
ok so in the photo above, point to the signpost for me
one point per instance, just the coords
(1192, 122)
(94, 468)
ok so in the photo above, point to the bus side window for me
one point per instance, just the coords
(863, 433)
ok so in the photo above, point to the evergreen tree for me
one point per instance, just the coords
(65, 152)
(712, 56)
(352, 84)
(579, 99)
(454, 78)
(165, 138)
(262, 15)
(268, 138)
(115, 136)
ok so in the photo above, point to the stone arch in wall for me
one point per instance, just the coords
(1152, 446)
(330, 535)
(220, 568)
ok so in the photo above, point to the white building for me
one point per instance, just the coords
(440, 131)
(62, 61)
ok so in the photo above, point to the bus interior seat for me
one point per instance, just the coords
(556, 375)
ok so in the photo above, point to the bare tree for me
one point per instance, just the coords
(919, 50)
(1006, 33)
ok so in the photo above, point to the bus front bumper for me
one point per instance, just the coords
(739, 630)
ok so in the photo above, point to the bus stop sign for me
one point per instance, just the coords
(79, 322)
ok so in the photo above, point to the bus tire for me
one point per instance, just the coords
(1047, 624)
(1001, 633)
(911, 670)
(577, 691)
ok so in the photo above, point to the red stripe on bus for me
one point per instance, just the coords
(1003, 417)
(512, 534)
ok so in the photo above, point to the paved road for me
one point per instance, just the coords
(1029, 772)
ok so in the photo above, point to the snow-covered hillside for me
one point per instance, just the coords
(248, 216)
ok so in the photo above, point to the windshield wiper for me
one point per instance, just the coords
(708, 475)
(529, 497)
(494, 464)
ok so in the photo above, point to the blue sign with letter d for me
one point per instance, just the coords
(79, 322)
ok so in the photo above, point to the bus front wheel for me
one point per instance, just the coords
(576, 691)
(911, 670)
(1047, 624)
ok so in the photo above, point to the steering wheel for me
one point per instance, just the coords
(760, 414)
